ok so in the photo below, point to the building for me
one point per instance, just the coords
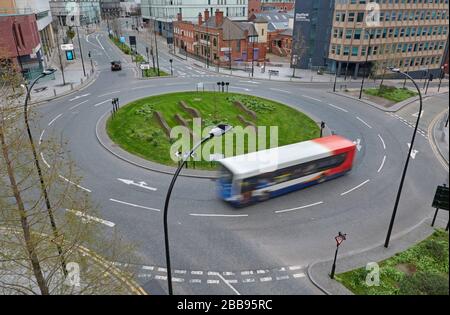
(164, 12)
(218, 40)
(408, 34)
(258, 6)
(89, 10)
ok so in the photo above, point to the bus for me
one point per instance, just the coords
(258, 176)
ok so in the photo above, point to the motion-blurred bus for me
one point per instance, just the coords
(261, 175)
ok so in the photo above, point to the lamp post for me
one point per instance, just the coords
(38, 167)
(81, 50)
(365, 63)
(394, 212)
(171, 69)
(253, 52)
(215, 132)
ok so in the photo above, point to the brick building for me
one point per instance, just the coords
(258, 6)
(184, 34)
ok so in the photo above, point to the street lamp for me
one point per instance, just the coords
(38, 167)
(388, 236)
(217, 131)
(365, 64)
(171, 69)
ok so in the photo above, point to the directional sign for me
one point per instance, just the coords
(358, 144)
(67, 47)
(413, 151)
(140, 184)
(440, 200)
(340, 238)
(144, 66)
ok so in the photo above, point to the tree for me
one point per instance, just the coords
(70, 33)
(29, 259)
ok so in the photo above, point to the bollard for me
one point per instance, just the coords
(81, 80)
(71, 86)
(54, 92)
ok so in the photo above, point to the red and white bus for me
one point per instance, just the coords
(269, 173)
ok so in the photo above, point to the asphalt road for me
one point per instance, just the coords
(264, 248)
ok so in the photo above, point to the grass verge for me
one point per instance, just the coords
(391, 93)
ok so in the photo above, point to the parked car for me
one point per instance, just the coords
(116, 65)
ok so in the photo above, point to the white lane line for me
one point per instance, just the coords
(148, 267)
(282, 278)
(382, 164)
(70, 182)
(298, 208)
(339, 108)
(183, 272)
(310, 97)
(218, 215)
(54, 119)
(79, 96)
(299, 275)
(265, 279)
(133, 205)
(91, 218)
(43, 160)
(227, 283)
(356, 187)
(109, 93)
(195, 272)
(280, 90)
(239, 88)
(181, 83)
(248, 280)
(382, 141)
(98, 104)
(159, 277)
(195, 281)
(364, 122)
(142, 87)
(41, 136)
(212, 281)
(295, 267)
(75, 106)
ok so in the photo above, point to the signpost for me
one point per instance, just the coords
(440, 201)
(339, 239)
(66, 46)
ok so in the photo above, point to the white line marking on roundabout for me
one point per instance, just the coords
(43, 160)
(54, 119)
(339, 108)
(141, 184)
(313, 98)
(113, 92)
(299, 275)
(298, 208)
(142, 87)
(133, 205)
(70, 182)
(75, 106)
(91, 218)
(382, 141)
(364, 122)
(382, 163)
(280, 90)
(236, 87)
(356, 187)
(227, 283)
(41, 136)
(218, 215)
(98, 104)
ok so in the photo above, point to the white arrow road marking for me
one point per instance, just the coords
(141, 184)
(413, 151)
(87, 218)
(417, 114)
(79, 96)
(133, 205)
(358, 144)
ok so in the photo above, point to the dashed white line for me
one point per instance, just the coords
(248, 280)
(295, 267)
(113, 92)
(313, 98)
(356, 187)
(98, 104)
(70, 182)
(195, 281)
(43, 160)
(382, 164)
(218, 215)
(382, 141)
(280, 90)
(54, 119)
(228, 284)
(199, 273)
(298, 208)
(159, 277)
(282, 278)
(41, 136)
(265, 279)
(91, 218)
(180, 271)
(369, 126)
(142, 87)
(75, 106)
(133, 205)
(148, 267)
(339, 108)
(299, 275)
(212, 281)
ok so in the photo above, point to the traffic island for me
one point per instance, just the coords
(137, 127)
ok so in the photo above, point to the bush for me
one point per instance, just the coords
(424, 283)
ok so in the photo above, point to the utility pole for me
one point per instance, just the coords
(365, 64)
(59, 51)
(81, 50)
(156, 47)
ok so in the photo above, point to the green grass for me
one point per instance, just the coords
(391, 93)
(148, 73)
(427, 271)
(122, 46)
(136, 129)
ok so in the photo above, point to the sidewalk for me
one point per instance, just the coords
(440, 136)
(318, 272)
(47, 89)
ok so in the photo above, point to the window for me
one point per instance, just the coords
(346, 51)
(348, 33)
(360, 17)
(357, 34)
(355, 51)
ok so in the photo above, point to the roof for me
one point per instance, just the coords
(273, 16)
(287, 32)
(232, 30)
(252, 164)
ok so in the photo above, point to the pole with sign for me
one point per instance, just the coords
(339, 239)
(440, 201)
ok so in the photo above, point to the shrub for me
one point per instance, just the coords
(424, 283)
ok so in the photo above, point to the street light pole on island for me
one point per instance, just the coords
(397, 200)
(217, 131)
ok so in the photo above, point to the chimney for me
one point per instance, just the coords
(179, 17)
(219, 17)
(206, 15)
(200, 21)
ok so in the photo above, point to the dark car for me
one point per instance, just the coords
(116, 65)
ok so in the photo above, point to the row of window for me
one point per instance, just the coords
(395, 15)
(357, 33)
(396, 48)
(392, 1)
(181, 32)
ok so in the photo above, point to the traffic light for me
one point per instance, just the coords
(431, 77)
(69, 54)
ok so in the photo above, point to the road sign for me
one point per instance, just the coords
(340, 238)
(440, 200)
(69, 54)
(144, 66)
(122, 39)
(67, 47)
(132, 40)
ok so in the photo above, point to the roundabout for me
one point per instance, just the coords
(263, 248)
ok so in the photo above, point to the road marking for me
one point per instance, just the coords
(248, 280)
(228, 273)
(227, 283)
(218, 215)
(358, 144)
(148, 267)
(54, 119)
(75, 106)
(413, 151)
(91, 218)
(313, 98)
(382, 163)
(236, 87)
(195, 281)
(382, 141)
(194, 272)
(356, 187)
(417, 114)
(79, 96)
(180, 271)
(113, 92)
(298, 208)
(265, 279)
(141, 184)
(295, 267)
(212, 281)
(159, 277)
(299, 275)
(98, 104)
(142, 87)
(284, 91)
(282, 278)
(364, 122)
(261, 271)
(337, 107)
(41, 136)
(246, 273)
(70, 182)
(249, 81)
(43, 160)
(161, 269)
(133, 205)
(177, 279)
